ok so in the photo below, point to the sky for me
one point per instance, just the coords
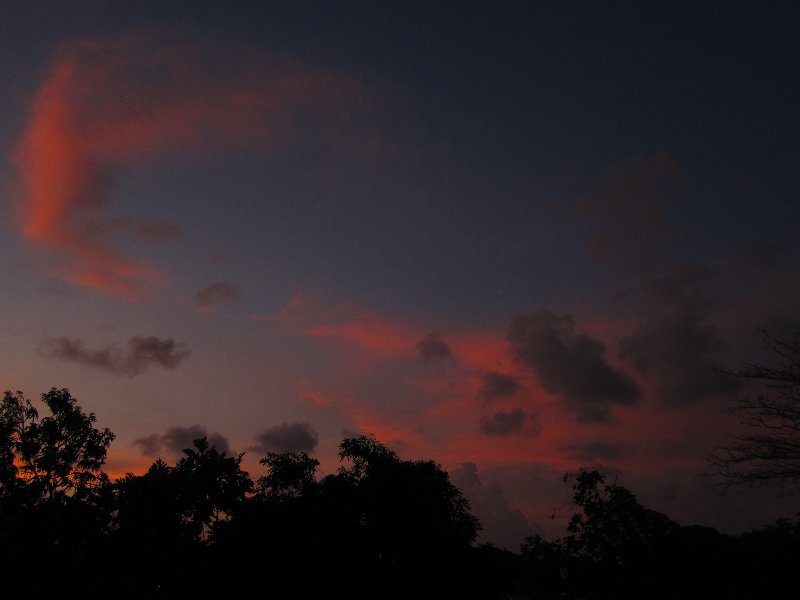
(518, 239)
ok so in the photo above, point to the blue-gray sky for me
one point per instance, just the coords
(517, 238)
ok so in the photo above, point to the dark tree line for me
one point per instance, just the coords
(381, 527)
(203, 525)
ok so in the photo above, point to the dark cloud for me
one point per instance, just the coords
(497, 385)
(215, 294)
(504, 422)
(176, 439)
(294, 437)
(596, 450)
(432, 346)
(677, 345)
(628, 206)
(570, 364)
(501, 525)
(142, 353)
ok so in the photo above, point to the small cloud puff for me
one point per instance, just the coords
(212, 296)
(432, 346)
(291, 437)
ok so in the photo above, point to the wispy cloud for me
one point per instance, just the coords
(108, 101)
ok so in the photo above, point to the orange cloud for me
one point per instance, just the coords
(106, 103)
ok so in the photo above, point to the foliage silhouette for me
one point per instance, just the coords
(612, 528)
(380, 526)
(289, 474)
(58, 455)
(53, 493)
(402, 524)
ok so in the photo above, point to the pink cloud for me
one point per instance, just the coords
(371, 333)
(109, 102)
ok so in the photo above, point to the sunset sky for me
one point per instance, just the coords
(515, 238)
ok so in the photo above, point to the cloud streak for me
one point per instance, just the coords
(141, 354)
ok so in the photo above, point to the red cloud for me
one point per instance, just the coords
(108, 102)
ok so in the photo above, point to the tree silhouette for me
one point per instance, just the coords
(214, 485)
(61, 454)
(290, 474)
(769, 452)
(149, 508)
(380, 526)
(612, 527)
(53, 493)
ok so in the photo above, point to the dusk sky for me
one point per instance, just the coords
(515, 238)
